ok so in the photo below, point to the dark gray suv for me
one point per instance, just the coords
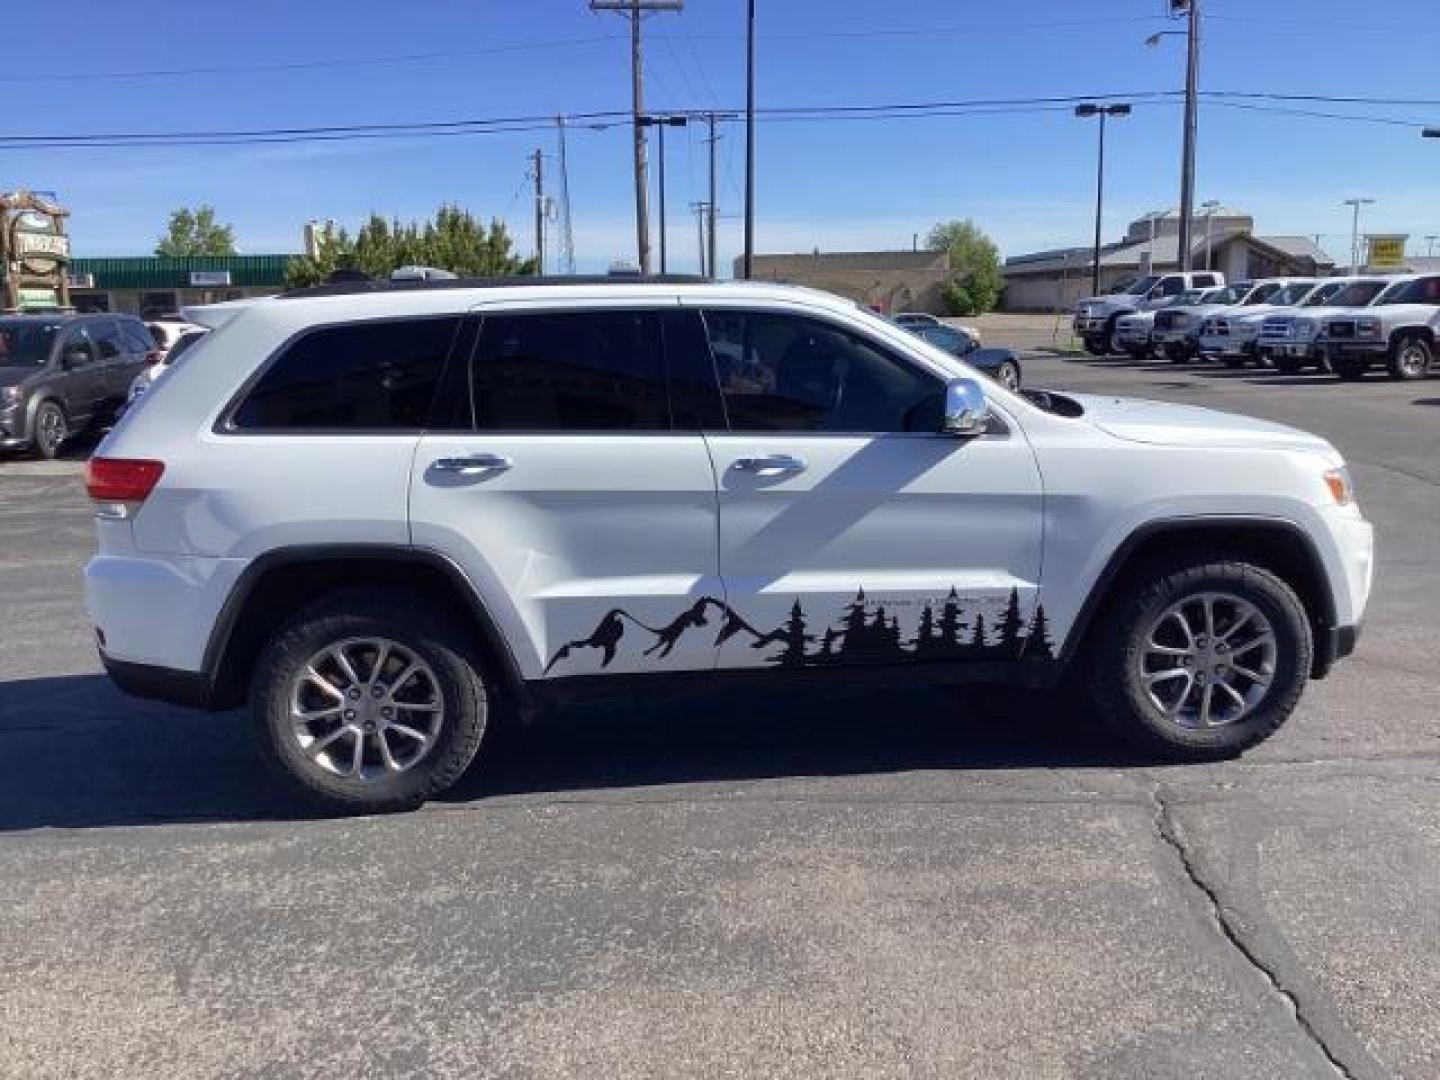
(61, 373)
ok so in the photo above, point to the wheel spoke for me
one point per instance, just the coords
(357, 759)
(382, 656)
(1173, 709)
(1254, 676)
(1179, 616)
(1242, 621)
(385, 754)
(323, 683)
(309, 716)
(338, 655)
(1239, 697)
(1207, 602)
(1255, 643)
(1153, 646)
(410, 733)
(1153, 677)
(404, 677)
(1206, 692)
(314, 748)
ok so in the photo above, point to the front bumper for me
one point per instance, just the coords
(1300, 350)
(1333, 644)
(1227, 346)
(1367, 350)
(1092, 324)
(1132, 340)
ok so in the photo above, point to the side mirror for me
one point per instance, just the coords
(74, 356)
(967, 413)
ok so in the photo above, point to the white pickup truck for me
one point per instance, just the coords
(1095, 316)
(1400, 329)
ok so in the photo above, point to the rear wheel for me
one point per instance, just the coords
(368, 701)
(1286, 365)
(1410, 358)
(1234, 360)
(1201, 659)
(51, 429)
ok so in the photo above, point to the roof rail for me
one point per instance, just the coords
(350, 288)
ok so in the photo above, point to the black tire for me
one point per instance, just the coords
(1177, 354)
(1097, 346)
(1349, 368)
(1138, 355)
(1410, 358)
(1233, 361)
(1286, 365)
(358, 614)
(1114, 657)
(52, 428)
(1008, 375)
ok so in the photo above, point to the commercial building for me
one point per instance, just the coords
(885, 280)
(1224, 241)
(151, 285)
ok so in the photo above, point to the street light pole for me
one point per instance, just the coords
(1087, 110)
(1187, 166)
(662, 122)
(1209, 206)
(1355, 232)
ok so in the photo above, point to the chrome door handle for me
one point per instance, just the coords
(472, 463)
(771, 463)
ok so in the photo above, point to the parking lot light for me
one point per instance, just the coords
(1086, 110)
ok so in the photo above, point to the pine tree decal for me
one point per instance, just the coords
(950, 626)
(855, 635)
(924, 642)
(794, 636)
(1011, 627)
(827, 646)
(977, 642)
(1039, 644)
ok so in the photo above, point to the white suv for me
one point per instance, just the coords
(387, 515)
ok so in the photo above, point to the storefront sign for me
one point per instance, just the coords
(37, 298)
(209, 279)
(1387, 252)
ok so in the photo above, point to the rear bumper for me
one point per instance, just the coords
(192, 689)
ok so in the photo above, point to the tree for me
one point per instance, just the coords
(195, 232)
(925, 636)
(977, 643)
(795, 638)
(976, 282)
(452, 240)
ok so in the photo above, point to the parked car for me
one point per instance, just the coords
(1135, 333)
(392, 519)
(1176, 333)
(1095, 316)
(62, 373)
(1002, 365)
(1230, 337)
(142, 383)
(912, 319)
(1290, 340)
(168, 331)
(1399, 329)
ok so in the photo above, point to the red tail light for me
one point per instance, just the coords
(121, 479)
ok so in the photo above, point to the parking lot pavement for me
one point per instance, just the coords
(884, 884)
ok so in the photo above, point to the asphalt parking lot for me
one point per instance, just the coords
(900, 883)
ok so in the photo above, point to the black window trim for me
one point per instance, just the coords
(225, 420)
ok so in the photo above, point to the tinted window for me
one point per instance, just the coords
(24, 343)
(107, 336)
(1420, 291)
(136, 336)
(1358, 294)
(788, 373)
(570, 371)
(1172, 286)
(182, 345)
(360, 376)
(1204, 279)
(79, 347)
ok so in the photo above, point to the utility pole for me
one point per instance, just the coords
(749, 138)
(1430, 240)
(1187, 166)
(710, 245)
(702, 211)
(635, 10)
(567, 231)
(537, 160)
(661, 123)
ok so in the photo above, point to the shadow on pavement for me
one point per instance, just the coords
(75, 752)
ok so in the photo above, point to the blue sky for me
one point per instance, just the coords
(1026, 177)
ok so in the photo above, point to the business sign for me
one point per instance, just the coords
(80, 281)
(1387, 252)
(209, 279)
(37, 243)
(29, 299)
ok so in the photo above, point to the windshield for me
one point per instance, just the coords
(24, 343)
(1230, 294)
(1261, 294)
(1135, 286)
(1324, 294)
(1293, 294)
(1420, 291)
(1190, 296)
(1357, 294)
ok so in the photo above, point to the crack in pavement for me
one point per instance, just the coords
(1168, 829)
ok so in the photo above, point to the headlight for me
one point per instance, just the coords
(10, 395)
(1305, 328)
(1341, 489)
(1367, 327)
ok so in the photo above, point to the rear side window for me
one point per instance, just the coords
(570, 371)
(137, 336)
(378, 376)
(107, 336)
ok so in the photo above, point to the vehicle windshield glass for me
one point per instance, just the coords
(1293, 294)
(1191, 296)
(1357, 294)
(1325, 294)
(1230, 294)
(24, 343)
(1261, 294)
(1135, 286)
(1420, 291)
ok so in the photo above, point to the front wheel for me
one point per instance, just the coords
(1410, 359)
(1286, 365)
(1349, 368)
(1097, 345)
(1201, 659)
(51, 430)
(1008, 376)
(368, 701)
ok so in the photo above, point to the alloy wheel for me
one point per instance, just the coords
(1208, 660)
(364, 708)
(50, 430)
